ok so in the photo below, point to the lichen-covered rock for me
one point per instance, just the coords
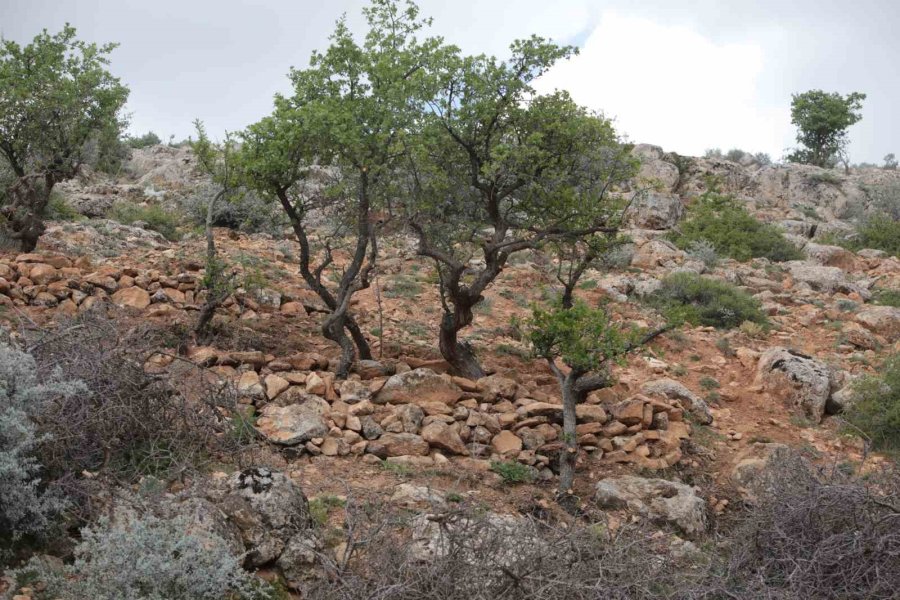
(796, 377)
(654, 210)
(673, 390)
(266, 506)
(418, 385)
(293, 424)
(825, 279)
(398, 444)
(883, 320)
(660, 500)
(444, 437)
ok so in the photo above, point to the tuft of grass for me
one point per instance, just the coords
(400, 470)
(60, 210)
(708, 383)
(321, 507)
(512, 472)
(887, 297)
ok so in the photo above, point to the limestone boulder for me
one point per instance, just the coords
(659, 500)
(797, 378)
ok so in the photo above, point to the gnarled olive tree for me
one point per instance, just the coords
(56, 95)
(350, 112)
(499, 169)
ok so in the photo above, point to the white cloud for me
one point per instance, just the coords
(671, 86)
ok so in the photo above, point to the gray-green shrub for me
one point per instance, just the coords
(27, 507)
(147, 558)
(244, 211)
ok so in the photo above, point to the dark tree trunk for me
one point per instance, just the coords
(459, 355)
(359, 339)
(216, 291)
(340, 317)
(569, 453)
(28, 198)
(334, 331)
(568, 296)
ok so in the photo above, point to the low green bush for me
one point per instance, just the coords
(875, 411)
(243, 211)
(60, 210)
(690, 298)
(720, 221)
(143, 141)
(887, 297)
(156, 218)
(512, 472)
(880, 233)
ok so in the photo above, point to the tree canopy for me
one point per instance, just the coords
(822, 120)
(56, 95)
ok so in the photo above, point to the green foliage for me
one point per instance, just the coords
(886, 297)
(719, 220)
(583, 337)
(826, 177)
(55, 96)
(890, 162)
(875, 410)
(147, 558)
(709, 383)
(142, 141)
(512, 472)
(705, 252)
(845, 305)
(60, 210)
(822, 120)
(878, 232)
(154, 216)
(244, 211)
(319, 508)
(688, 297)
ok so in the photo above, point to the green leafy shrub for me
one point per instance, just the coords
(720, 221)
(143, 141)
(155, 217)
(886, 297)
(512, 472)
(147, 558)
(875, 410)
(60, 210)
(688, 297)
(880, 233)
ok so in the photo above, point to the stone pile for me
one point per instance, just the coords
(72, 286)
(410, 413)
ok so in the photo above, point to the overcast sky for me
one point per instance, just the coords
(687, 75)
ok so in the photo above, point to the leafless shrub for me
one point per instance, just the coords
(467, 555)
(823, 535)
(129, 423)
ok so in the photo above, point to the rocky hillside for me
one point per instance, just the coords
(676, 442)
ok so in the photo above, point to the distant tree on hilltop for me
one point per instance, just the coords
(822, 120)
